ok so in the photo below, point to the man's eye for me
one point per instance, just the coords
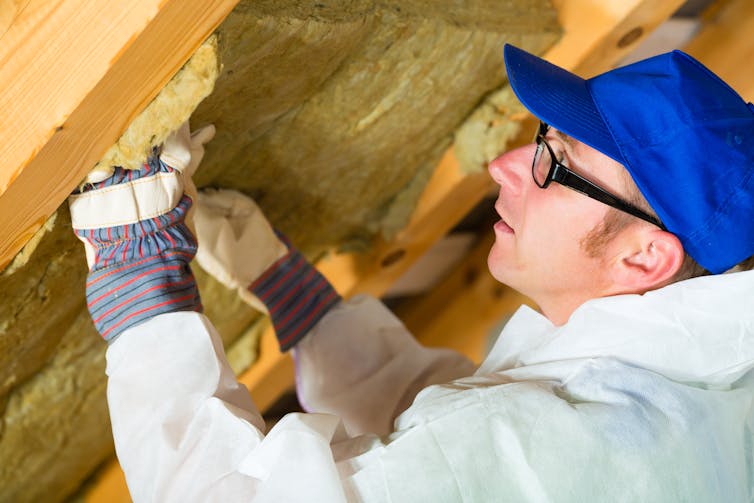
(560, 155)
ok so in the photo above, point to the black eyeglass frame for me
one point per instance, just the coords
(564, 176)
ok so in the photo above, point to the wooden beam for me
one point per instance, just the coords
(599, 33)
(268, 378)
(725, 45)
(110, 486)
(74, 74)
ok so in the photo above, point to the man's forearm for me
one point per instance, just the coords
(361, 363)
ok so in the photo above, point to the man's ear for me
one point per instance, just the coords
(649, 260)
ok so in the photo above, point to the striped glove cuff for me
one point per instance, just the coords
(140, 269)
(296, 295)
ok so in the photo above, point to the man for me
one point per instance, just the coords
(629, 385)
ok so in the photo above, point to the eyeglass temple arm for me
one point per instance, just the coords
(580, 184)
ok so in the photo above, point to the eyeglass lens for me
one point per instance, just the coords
(541, 164)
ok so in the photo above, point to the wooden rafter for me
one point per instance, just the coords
(725, 45)
(598, 33)
(74, 74)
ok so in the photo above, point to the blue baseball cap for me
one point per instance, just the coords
(685, 136)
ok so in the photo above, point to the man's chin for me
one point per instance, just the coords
(501, 269)
(497, 266)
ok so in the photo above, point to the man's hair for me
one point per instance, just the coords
(595, 242)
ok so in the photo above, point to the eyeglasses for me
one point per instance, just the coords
(546, 168)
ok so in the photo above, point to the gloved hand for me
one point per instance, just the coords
(124, 197)
(240, 249)
(184, 151)
(237, 244)
(133, 225)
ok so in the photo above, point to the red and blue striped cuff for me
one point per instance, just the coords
(141, 269)
(121, 296)
(296, 295)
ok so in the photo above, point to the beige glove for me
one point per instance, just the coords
(236, 243)
(184, 151)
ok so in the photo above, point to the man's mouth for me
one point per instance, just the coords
(502, 227)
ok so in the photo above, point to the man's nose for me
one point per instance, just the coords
(512, 169)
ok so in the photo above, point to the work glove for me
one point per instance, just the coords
(138, 244)
(237, 244)
(240, 249)
(184, 151)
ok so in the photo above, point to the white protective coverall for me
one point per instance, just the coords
(636, 398)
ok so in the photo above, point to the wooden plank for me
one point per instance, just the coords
(599, 33)
(74, 74)
(725, 45)
(110, 486)
(271, 376)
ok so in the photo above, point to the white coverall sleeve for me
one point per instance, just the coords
(361, 364)
(186, 430)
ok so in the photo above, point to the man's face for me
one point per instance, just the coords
(537, 246)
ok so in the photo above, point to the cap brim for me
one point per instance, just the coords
(559, 98)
